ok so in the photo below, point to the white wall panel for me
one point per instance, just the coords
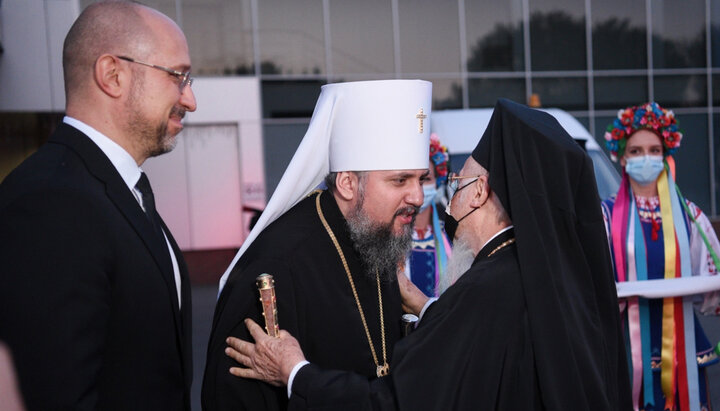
(60, 15)
(214, 186)
(31, 66)
(216, 168)
(168, 176)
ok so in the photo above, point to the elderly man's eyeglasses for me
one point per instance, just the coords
(185, 79)
(454, 182)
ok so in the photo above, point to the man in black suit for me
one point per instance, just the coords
(94, 293)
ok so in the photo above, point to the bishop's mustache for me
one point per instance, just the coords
(408, 211)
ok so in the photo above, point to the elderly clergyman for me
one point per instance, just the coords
(334, 252)
(532, 324)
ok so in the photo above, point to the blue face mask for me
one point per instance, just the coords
(429, 193)
(644, 170)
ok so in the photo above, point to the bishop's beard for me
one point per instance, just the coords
(460, 261)
(380, 250)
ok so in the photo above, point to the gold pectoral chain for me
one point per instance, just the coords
(501, 246)
(381, 370)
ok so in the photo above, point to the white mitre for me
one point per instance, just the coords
(356, 126)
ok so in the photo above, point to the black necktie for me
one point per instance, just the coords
(143, 185)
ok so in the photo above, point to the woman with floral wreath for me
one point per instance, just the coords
(660, 242)
(430, 246)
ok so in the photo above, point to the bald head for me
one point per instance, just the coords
(114, 27)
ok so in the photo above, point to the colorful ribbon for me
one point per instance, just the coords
(644, 312)
(634, 314)
(667, 367)
(443, 250)
(690, 385)
(619, 228)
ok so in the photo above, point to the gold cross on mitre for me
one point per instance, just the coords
(420, 116)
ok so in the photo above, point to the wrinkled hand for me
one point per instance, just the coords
(413, 300)
(270, 359)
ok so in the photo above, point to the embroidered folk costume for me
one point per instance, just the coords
(665, 238)
(430, 245)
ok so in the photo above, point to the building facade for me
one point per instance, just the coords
(588, 57)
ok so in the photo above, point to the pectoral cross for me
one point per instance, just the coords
(420, 116)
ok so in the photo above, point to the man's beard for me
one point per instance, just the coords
(153, 139)
(380, 250)
(460, 261)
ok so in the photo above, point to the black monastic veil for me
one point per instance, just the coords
(546, 183)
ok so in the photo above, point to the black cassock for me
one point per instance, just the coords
(315, 304)
(471, 351)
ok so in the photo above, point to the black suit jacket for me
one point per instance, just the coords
(88, 303)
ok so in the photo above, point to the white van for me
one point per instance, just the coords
(460, 131)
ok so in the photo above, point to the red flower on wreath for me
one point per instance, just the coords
(441, 170)
(626, 118)
(617, 134)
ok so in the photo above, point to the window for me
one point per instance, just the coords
(486, 92)
(614, 93)
(292, 39)
(557, 35)
(567, 93)
(681, 91)
(429, 37)
(361, 34)
(678, 33)
(693, 166)
(219, 34)
(279, 143)
(447, 93)
(619, 34)
(494, 35)
(290, 98)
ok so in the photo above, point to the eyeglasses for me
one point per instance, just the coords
(454, 182)
(185, 79)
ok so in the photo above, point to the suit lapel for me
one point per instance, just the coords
(100, 166)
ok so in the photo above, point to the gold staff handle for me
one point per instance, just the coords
(266, 287)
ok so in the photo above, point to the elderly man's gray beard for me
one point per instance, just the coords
(460, 261)
(380, 250)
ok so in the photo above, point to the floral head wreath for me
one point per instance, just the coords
(439, 157)
(649, 116)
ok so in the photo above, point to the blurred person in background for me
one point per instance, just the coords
(431, 250)
(655, 233)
